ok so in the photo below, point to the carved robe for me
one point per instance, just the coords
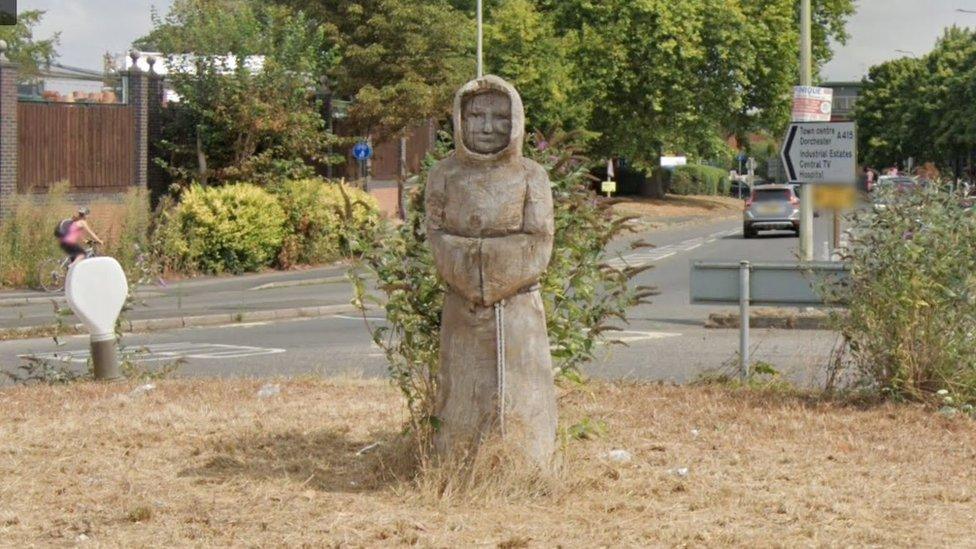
(490, 225)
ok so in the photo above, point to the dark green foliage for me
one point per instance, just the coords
(646, 77)
(236, 122)
(400, 60)
(921, 107)
(698, 180)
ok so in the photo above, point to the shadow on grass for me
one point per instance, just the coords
(325, 460)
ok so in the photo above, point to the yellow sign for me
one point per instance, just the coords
(608, 187)
(834, 197)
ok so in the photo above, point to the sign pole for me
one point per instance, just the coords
(806, 79)
(744, 299)
(836, 228)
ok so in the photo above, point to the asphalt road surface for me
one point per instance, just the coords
(665, 340)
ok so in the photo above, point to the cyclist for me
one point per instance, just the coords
(71, 233)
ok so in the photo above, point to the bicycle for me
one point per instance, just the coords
(52, 272)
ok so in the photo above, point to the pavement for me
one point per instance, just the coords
(665, 341)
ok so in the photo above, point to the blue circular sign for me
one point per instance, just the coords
(362, 151)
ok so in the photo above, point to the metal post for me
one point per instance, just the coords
(481, 38)
(369, 166)
(744, 299)
(105, 359)
(836, 228)
(806, 79)
(402, 178)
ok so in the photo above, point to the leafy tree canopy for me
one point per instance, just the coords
(239, 118)
(30, 53)
(401, 60)
(922, 108)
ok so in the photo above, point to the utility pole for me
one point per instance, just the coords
(481, 40)
(806, 79)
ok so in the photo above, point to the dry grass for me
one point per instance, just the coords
(704, 207)
(206, 463)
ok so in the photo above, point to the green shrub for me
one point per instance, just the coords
(325, 221)
(700, 180)
(233, 228)
(911, 327)
(583, 296)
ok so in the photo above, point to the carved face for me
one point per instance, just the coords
(487, 120)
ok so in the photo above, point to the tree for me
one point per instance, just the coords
(245, 73)
(521, 46)
(30, 54)
(950, 90)
(401, 60)
(885, 113)
(681, 75)
(922, 108)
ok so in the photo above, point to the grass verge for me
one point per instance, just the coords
(205, 463)
(673, 207)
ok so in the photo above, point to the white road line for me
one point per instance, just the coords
(357, 318)
(165, 351)
(631, 336)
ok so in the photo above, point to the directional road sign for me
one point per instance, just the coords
(821, 153)
(362, 151)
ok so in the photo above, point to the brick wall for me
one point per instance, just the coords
(8, 134)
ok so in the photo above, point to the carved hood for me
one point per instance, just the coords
(514, 148)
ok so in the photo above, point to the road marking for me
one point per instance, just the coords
(163, 351)
(648, 257)
(358, 318)
(240, 325)
(631, 336)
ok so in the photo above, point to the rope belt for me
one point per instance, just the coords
(500, 360)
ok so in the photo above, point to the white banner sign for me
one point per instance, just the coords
(811, 104)
(673, 161)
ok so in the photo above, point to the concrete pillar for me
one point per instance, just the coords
(8, 132)
(139, 100)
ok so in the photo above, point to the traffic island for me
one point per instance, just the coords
(207, 462)
(775, 318)
(180, 322)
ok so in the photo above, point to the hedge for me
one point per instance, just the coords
(700, 180)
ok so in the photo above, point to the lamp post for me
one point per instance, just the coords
(481, 39)
(806, 79)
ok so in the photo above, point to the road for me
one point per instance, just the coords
(665, 340)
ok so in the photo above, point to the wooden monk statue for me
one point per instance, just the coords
(490, 225)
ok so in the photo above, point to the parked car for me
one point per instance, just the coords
(771, 208)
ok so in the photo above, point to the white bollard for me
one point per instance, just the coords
(96, 290)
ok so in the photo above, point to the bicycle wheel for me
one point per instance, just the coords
(50, 275)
